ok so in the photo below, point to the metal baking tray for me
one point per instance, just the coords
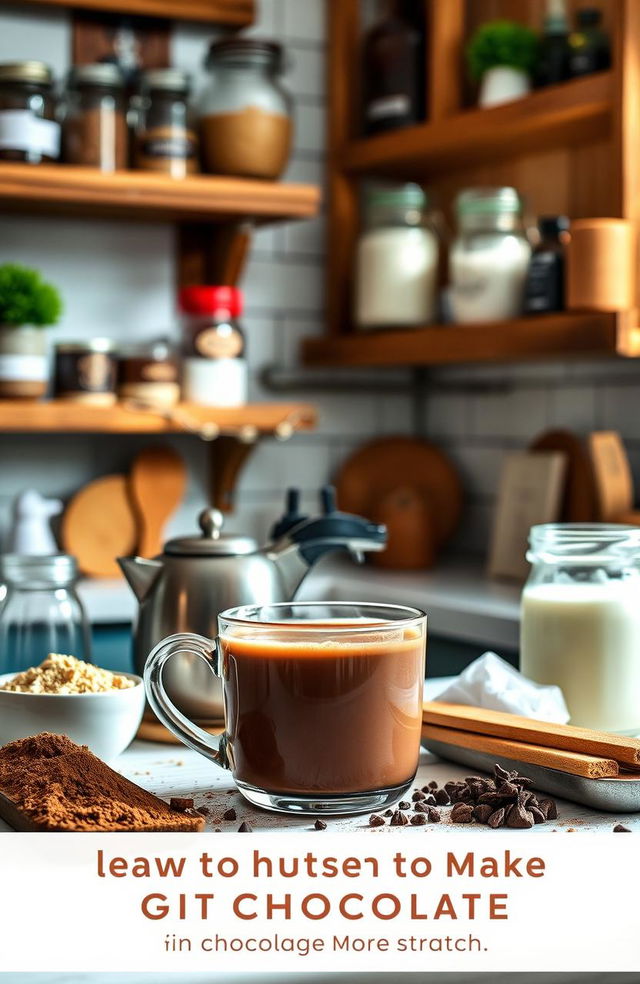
(619, 795)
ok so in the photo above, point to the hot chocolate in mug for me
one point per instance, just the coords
(323, 702)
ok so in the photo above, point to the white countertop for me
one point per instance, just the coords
(461, 602)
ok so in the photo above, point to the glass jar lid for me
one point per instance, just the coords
(99, 74)
(165, 80)
(584, 543)
(35, 72)
(251, 51)
(54, 571)
(488, 201)
(408, 196)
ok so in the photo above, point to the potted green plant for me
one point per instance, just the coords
(27, 306)
(502, 56)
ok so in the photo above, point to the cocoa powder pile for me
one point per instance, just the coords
(58, 785)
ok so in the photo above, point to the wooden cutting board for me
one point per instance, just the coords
(99, 525)
(579, 501)
(157, 483)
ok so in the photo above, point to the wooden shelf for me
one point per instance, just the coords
(569, 334)
(236, 13)
(561, 115)
(60, 188)
(58, 416)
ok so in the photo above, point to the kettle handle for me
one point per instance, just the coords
(212, 747)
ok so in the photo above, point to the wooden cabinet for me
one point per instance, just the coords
(570, 149)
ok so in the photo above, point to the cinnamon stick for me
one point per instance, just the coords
(512, 726)
(575, 763)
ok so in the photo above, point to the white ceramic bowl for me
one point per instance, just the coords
(106, 722)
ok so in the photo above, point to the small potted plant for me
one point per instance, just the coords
(27, 306)
(502, 56)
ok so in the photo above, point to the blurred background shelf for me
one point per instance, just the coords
(235, 13)
(58, 416)
(567, 334)
(69, 190)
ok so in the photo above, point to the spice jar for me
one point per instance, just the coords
(580, 623)
(28, 128)
(40, 611)
(490, 257)
(165, 135)
(95, 123)
(214, 366)
(149, 375)
(85, 372)
(396, 259)
(245, 114)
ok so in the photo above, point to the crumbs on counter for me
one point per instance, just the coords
(59, 674)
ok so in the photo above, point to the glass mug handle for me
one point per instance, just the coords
(212, 747)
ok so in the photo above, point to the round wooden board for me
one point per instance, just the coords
(99, 525)
(379, 468)
(580, 501)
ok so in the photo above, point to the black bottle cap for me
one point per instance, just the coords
(588, 16)
(552, 226)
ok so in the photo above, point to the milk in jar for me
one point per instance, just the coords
(580, 625)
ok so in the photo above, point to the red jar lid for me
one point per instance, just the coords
(211, 300)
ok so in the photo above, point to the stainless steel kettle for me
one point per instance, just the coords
(195, 578)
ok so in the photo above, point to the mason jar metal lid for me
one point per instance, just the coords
(100, 73)
(26, 71)
(408, 195)
(213, 542)
(54, 570)
(249, 48)
(165, 79)
(488, 201)
(91, 345)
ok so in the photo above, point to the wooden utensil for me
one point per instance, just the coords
(410, 530)
(579, 502)
(589, 766)
(614, 482)
(566, 737)
(375, 473)
(157, 482)
(99, 525)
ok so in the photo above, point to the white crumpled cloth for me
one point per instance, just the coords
(492, 683)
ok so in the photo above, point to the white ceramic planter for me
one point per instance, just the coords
(503, 84)
(23, 362)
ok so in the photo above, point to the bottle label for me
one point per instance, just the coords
(389, 107)
(213, 344)
(21, 130)
(165, 147)
(32, 368)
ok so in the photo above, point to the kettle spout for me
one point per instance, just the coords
(141, 574)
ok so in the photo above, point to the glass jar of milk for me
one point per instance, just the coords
(490, 256)
(396, 259)
(580, 625)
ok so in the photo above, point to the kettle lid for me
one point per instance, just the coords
(213, 541)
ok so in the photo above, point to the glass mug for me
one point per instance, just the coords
(323, 702)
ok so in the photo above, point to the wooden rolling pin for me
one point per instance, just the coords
(516, 728)
(588, 766)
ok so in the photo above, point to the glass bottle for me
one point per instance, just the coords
(214, 363)
(490, 256)
(245, 113)
(544, 289)
(553, 59)
(580, 624)
(165, 134)
(40, 611)
(94, 130)
(589, 45)
(394, 83)
(396, 259)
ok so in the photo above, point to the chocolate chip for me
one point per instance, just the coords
(376, 821)
(518, 818)
(421, 807)
(508, 790)
(418, 819)
(442, 797)
(321, 825)
(497, 818)
(501, 773)
(433, 784)
(399, 819)
(388, 813)
(180, 805)
(430, 799)
(404, 805)
(418, 795)
(230, 814)
(538, 815)
(204, 810)
(245, 828)
(620, 829)
(462, 813)
(482, 812)
(549, 808)
(433, 815)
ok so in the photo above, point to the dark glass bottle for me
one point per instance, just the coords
(544, 288)
(394, 69)
(589, 45)
(553, 63)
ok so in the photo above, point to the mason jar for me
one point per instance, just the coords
(580, 621)
(165, 134)
(29, 130)
(396, 259)
(94, 131)
(40, 611)
(245, 113)
(490, 256)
